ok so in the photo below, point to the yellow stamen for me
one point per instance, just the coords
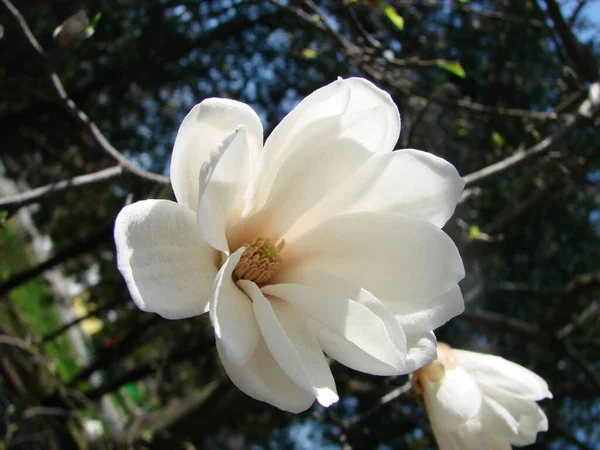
(260, 261)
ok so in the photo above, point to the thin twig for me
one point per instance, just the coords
(14, 202)
(70, 106)
(62, 256)
(492, 171)
(47, 411)
(578, 286)
(15, 342)
(581, 56)
(383, 401)
(583, 317)
(57, 332)
(508, 112)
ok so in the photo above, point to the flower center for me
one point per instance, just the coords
(260, 261)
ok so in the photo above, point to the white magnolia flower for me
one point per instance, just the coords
(481, 402)
(321, 241)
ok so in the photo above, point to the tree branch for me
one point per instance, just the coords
(78, 248)
(582, 57)
(14, 202)
(577, 287)
(69, 105)
(55, 333)
(587, 110)
(584, 316)
(125, 346)
(382, 402)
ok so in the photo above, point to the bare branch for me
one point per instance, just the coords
(62, 256)
(14, 202)
(583, 317)
(505, 323)
(587, 110)
(383, 401)
(70, 106)
(582, 57)
(15, 342)
(492, 171)
(508, 112)
(577, 287)
(585, 367)
(125, 346)
(55, 333)
(484, 13)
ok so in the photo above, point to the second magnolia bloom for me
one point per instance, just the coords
(321, 241)
(480, 402)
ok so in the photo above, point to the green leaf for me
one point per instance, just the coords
(454, 67)
(498, 139)
(393, 15)
(463, 1)
(309, 53)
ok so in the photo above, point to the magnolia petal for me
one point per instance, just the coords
(477, 441)
(499, 443)
(346, 109)
(295, 349)
(347, 330)
(338, 286)
(453, 401)
(422, 349)
(428, 314)
(202, 132)
(167, 266)
(305, 177)
(529, 416)
(223, 181)
(497, 419)
(394, 257)
(498, 373)
(232, 316)
(529, 425)
(424, 187)
(262, 379)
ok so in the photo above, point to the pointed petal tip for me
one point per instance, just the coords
(326, 397)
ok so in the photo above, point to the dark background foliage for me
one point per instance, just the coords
(74, 348)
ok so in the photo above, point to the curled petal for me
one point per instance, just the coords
(497, 419)
(262, 378)
(223, 182)
(347, 330)
(293, 346)
(421, 350)
(168, 267)
(232, 316)
(408, 182)
(201, 133)
(502, 375)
